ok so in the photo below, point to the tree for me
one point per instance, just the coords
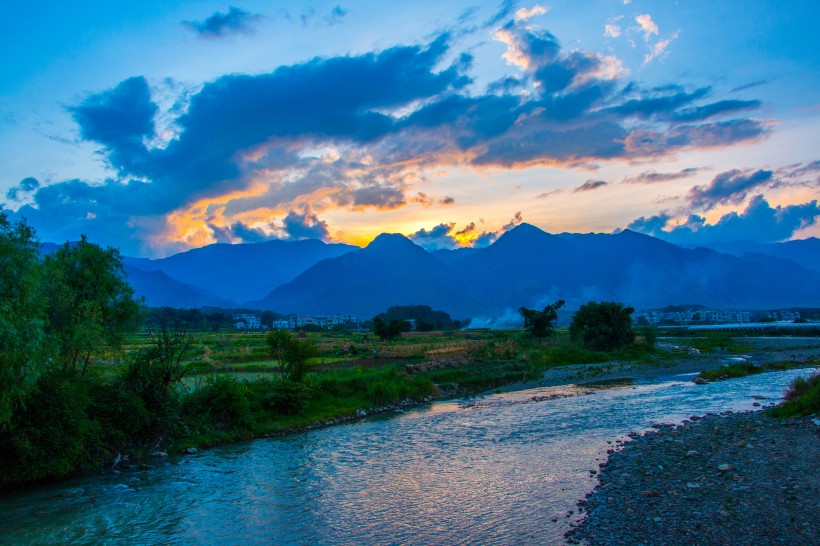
(292, 354)
(391, 330)
(541, 323)
(603, 326)
(90, 305)
(21, 315)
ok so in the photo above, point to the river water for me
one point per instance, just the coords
(493, 470)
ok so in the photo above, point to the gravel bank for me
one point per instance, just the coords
(728, 479)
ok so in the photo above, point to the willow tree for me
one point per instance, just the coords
(21, 315)
(90, 304)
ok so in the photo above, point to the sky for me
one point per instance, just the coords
(157, 127)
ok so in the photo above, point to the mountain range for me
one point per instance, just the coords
(524, 267)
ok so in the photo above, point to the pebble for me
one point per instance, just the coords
(772, 501)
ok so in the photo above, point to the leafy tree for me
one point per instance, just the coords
(21, 315)
(91, 306)
(391, 330)
(293, 354)
(426, 318)
(603, 326)
(541, 323)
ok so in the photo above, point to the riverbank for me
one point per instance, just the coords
(743, 478)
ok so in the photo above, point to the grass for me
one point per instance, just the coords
(733, 371)
(802, 398)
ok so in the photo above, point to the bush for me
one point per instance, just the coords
(284, 397)
(54, 436)
(605, 326)
(222, 404)
(802, 398)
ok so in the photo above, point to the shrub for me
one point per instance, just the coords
(802, 398)
(285, 397)
(222, 403)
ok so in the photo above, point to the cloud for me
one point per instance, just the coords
(437, 238)
(758, 222)
(514, 221)
(120, 119)
(589, 185)
(727, 187)
(304, 226)
(653, 177)
(524, 14)
(647, 25)
(612, 30)
(221, 25)
(363, 131)
(26, 186)
(333, 17)
(750, 85)
(238, 232)
(548, 194)
(659, 48)
(447, 200)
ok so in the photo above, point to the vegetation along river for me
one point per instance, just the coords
(497, 469)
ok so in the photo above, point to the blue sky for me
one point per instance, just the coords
(158, 127)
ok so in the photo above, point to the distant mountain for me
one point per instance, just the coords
(160, 290)
(805, 252)
(238, 273)
(390, 271)
(449, 256)
(528, 267)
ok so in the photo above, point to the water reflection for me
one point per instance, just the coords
(495, 470)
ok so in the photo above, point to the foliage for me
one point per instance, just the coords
(387, 331)
(802, 398)
(604, 326)
(425, 317)
(154, 372)
(21, 315)
(292, 353)
(223, 402)
(541, 323)
(90, 304)
(285, 397)
(54, 436)
(731, 371)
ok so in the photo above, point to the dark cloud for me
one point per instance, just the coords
(514, 221)
(382, 197)
(238, 232)
(750, 85)
(590, 185)
(727, 187)
(26, 186)
(548, 194)
(422, 199)
(120, 119)
(436, 238)
(447, 200)
(568, 108)
(304, 226)
(719, 108)
(652, 177)
(220, 25)
(758, 222)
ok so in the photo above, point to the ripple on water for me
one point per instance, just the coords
(496, 471)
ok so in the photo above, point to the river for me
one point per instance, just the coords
(492, 470)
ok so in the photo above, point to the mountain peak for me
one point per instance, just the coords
(390, 241)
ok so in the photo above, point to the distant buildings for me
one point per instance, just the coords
(711, 316)
(692, 316)
(249, 321)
